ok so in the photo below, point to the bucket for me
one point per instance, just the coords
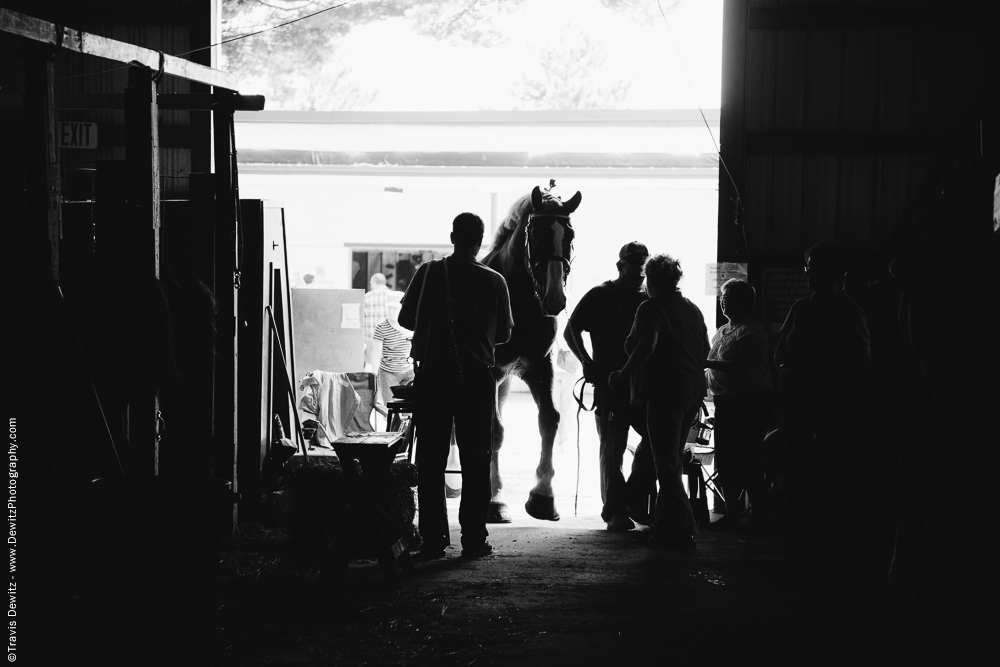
(156, 551)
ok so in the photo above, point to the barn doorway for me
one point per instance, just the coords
(373, 149)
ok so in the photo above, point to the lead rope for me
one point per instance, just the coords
(582, 382)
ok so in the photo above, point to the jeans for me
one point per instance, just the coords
(668, 422)
(615, 415)
(469, 403)
(740, 426)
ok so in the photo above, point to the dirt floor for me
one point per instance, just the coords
(552, 593)
(569, 595)
(566, 593)
(572, 594)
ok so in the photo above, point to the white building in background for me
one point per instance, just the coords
(376, 191)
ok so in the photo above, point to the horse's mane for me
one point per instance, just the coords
(505, 249)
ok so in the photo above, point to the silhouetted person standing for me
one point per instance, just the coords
(607, 312)
(823, 359)
(739, 376)
(667, 347)
(391, 353)
(459, 310)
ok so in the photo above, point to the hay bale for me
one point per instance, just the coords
(323, 513)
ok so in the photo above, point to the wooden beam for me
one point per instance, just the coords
(62, 37)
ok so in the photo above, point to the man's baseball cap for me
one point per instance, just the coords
(633, 253)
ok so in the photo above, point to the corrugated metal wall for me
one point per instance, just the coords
(837, 116)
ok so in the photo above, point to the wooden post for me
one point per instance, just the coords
(43, 226)
(254, 337)
(142, 153)
(226, 258)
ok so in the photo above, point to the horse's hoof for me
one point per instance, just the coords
(541, 507)
(498, 513)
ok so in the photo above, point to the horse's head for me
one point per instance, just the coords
(548, 244)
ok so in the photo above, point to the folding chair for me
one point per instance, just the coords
(399, 418)
(361, 384)
(699, 452)
(364, 384)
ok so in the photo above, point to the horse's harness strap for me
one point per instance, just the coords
(561, 254)
(558, 253)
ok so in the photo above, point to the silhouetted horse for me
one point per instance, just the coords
(532, 252)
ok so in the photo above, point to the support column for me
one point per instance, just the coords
(43, 196)
(142, 242)
(227, 251)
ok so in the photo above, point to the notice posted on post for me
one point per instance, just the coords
(12, 479)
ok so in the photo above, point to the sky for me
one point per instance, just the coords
(405, 71)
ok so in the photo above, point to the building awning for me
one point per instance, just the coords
(564, 160)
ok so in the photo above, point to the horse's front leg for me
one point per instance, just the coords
(498, 512)
(541, 501)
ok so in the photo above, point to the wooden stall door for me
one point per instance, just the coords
(265, 357)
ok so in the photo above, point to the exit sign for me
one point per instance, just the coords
(77, 135)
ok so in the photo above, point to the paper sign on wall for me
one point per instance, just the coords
(717, 274)
(351, 318)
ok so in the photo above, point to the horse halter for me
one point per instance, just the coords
(558, 244)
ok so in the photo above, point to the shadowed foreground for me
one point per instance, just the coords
(558, 596)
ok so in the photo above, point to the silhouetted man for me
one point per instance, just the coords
(458, 310)
(607, 312)
(823, 358)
